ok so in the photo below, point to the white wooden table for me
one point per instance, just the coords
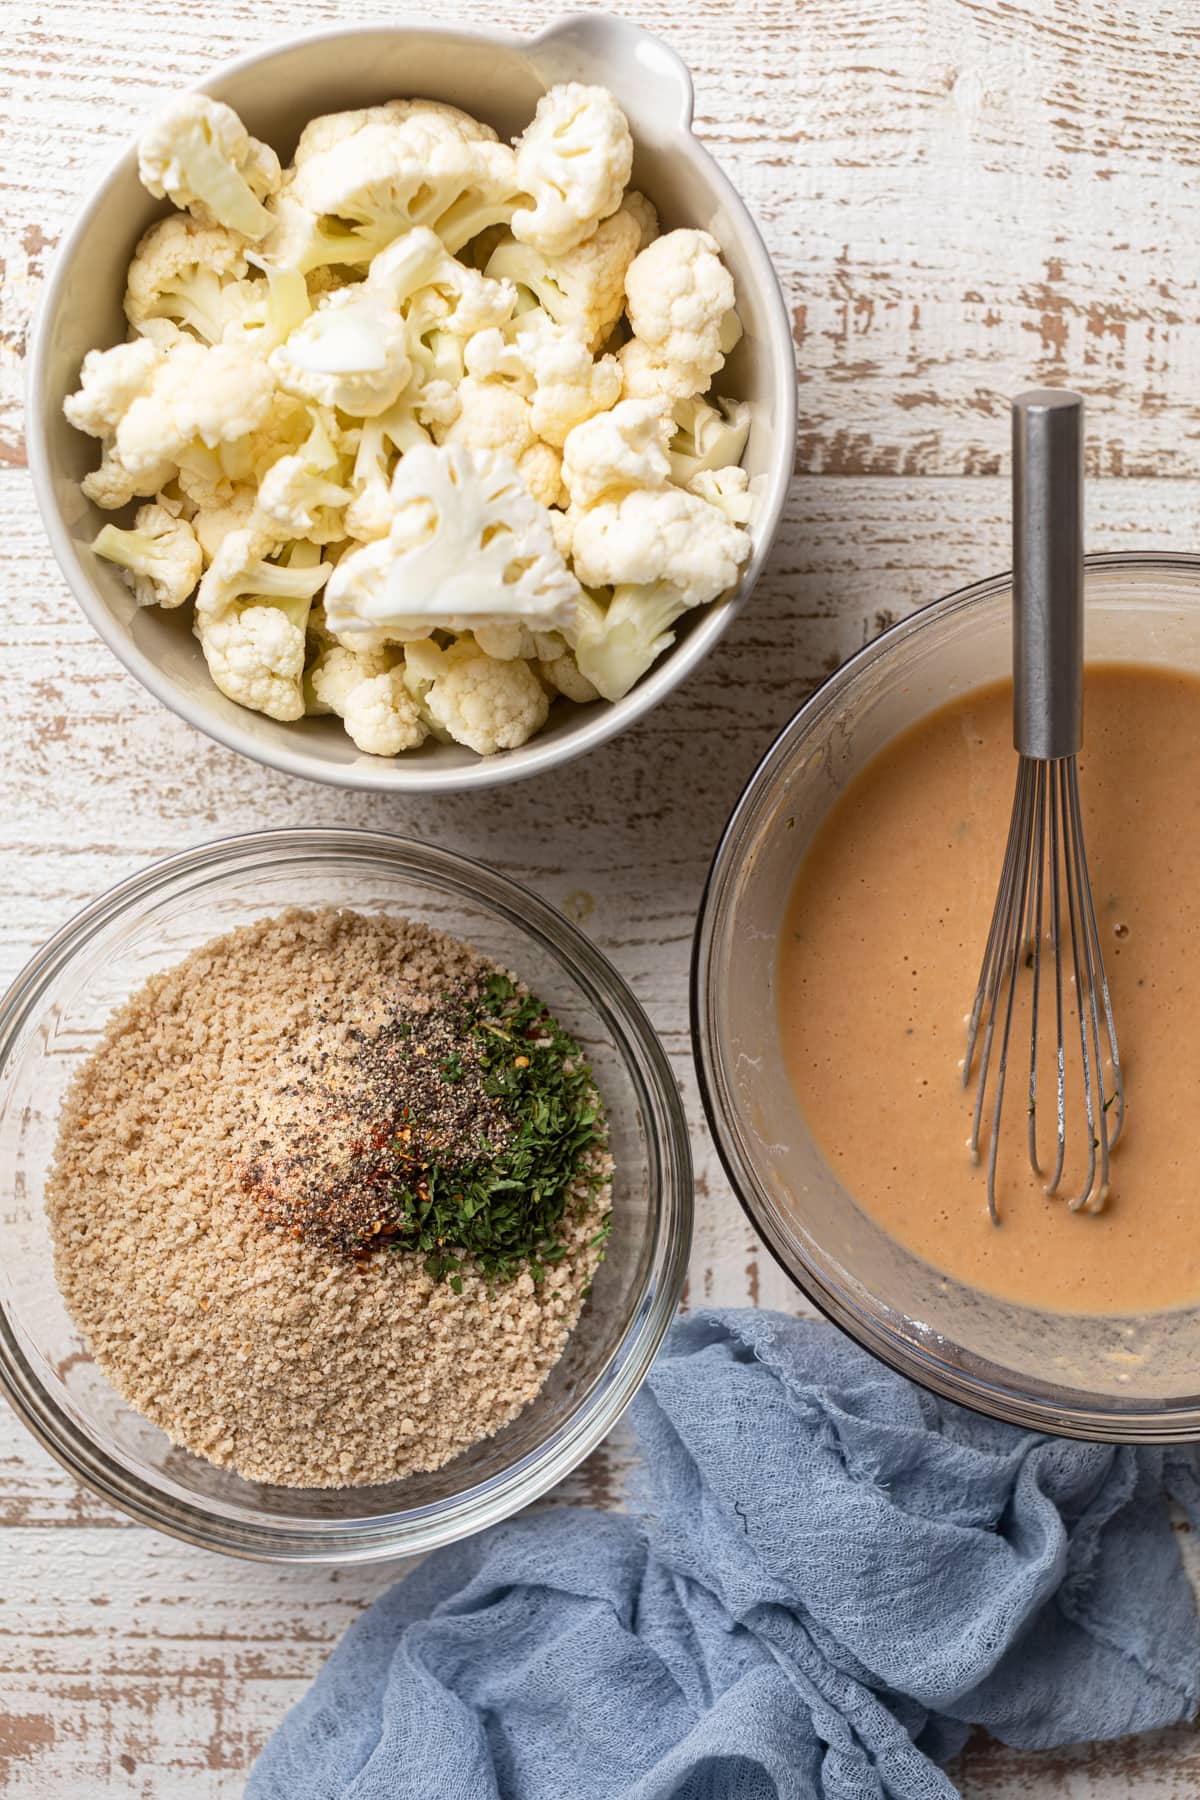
(963, 197)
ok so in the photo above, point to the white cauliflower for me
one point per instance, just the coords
(159, 411)
(707, 436)
(617, 450)
(352, 353)
(550, 366)
(160, 556)
(459, 300)
(390, 371)
(113, 485)
(369, 695)
(727, 488)
(109, 382)
(251, 619)
(245, 457)
(474, 699)
(663, 552)
(491, 417)
(569, 386)
(299, 496)
(680, 299)
(329, 130)
(562, 675)
(189, 273)
(466, 544)
(585, 287)
(213, 524)
(267, 312)
(197, 152)
(201, 394)
(616, 644)
(516, 639)
(575, 159)
(369, 513)
(346, 202)
(659, 535)
(337, 670)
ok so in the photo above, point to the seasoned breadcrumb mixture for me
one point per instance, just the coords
(259, 1352)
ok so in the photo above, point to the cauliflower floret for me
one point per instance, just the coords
(585, 288)
(550, 366)
(198, 153)
(575, 159)
(466, 543)
(680, 303)
(331, 129)
(160, 556)
(113, 485)
(264, 313)
(660, 535)
(346, 202)
(338, 670)
(200, 394)
(380, 716)
(255, 656)
(707, 436)
(570, 387)
(727, 488)
(562, 529)
(213, 524)
(562, 675)
(461, 301)
(109, 382)
(353, 353)
(245, 458)
(617, 450)
(615, 645)
(369, 513)
(299, 496)
(251, 618)
(188, 273)
(475, 699)
(645, 377)
(506, 642)
(369, 696)
(492, 355)
(492, 417)
(642, 212)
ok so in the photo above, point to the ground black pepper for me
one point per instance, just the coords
(460, 1128)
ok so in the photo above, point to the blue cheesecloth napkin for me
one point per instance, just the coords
(831, 1577)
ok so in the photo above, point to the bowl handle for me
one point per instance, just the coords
(590, 46)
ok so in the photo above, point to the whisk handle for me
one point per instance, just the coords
(1047, 472)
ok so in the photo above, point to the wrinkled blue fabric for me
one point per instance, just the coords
(831, 1576)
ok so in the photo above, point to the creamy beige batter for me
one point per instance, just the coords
(878, 964)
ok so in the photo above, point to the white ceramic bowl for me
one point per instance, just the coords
(498, 77)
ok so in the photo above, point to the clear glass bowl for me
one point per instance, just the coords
(51, 1018)
(1132, 1378)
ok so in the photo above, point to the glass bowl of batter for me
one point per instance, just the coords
(836, 955)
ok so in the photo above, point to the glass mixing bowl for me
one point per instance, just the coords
(1128, 1378)
(51, 1018)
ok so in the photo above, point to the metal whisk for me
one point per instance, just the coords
(1044, 900)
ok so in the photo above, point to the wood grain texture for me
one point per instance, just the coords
(962, 196)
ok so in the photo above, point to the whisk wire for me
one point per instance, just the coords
(1084, 998)
(1044, 859)
(1033, 933)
